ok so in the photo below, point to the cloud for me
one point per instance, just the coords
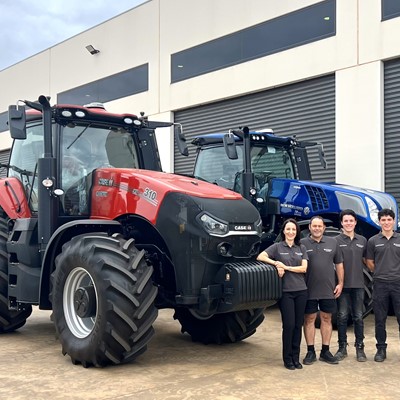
(29, 27)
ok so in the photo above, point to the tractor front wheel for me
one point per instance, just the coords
(220, 328)
(103, 300)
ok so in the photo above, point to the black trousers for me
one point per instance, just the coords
(383, 292)
(292, 306)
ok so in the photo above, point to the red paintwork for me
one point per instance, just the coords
(134, 191)
(8, 201)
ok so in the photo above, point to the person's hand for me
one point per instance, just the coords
(281, 272)
(338, 290)
(280, 264)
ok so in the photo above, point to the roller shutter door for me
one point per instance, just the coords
(4, 160)
(392, 127)
(305, 109)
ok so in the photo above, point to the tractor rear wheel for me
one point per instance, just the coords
(220, 328)
(10, 320)
(103, 300)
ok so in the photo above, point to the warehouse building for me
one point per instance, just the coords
(321, 70)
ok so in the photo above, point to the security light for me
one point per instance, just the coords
(92, 50)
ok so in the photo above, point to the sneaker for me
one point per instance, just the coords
(328, 358)
(310, 358)
(360, 354)
(380, 355)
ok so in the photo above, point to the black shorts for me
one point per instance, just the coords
(325, 305)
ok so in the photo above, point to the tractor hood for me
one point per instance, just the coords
(184, 184)
(305, 199)
(117, 191)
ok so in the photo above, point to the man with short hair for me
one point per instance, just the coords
(353, 248)
(325, 263)
(383, 259)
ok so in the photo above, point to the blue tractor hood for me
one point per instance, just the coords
(305, 199)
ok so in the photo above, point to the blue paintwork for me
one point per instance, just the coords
(294, 198)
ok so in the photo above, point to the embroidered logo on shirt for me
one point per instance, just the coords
(298, 254)
(379, 245)
(360, 246)
(342, 245)
(396, 244)
(327, 250)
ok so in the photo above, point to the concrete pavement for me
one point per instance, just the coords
(32, 367)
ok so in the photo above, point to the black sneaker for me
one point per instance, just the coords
(310, 358)
(380, 355)
(328, 358)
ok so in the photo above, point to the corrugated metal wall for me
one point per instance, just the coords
(305, 109)
(4, 160)
(392, 127)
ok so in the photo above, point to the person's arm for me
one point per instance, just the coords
(340, 276)
(264, 257)
(370, 264)
(364, 260)
(300, 269)
(370, 254)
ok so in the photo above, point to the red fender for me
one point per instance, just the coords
(13, 199)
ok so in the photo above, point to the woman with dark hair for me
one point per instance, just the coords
(290, 259)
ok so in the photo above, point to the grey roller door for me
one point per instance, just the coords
(4, 160)
(392, 127)
(305, 109)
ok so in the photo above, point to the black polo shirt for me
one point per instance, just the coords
(292, 257)
(386, 255)
(321, 274)
(353, 251)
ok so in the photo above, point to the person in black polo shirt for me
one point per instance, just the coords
(383, 259)
(290, 259)
(353, 247)
(325, 263)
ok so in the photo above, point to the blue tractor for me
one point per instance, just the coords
(274, 174)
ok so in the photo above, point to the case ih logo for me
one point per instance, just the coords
(242, 227)
(106, 182)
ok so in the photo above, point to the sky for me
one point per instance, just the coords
(28, 27)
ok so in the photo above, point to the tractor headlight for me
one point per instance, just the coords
(373, 210)
(213, 226)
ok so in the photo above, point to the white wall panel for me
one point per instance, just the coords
(379, 40)
(150, 33)
(359, 126)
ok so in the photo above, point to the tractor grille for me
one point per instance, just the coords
(251, 285)
(318, 198)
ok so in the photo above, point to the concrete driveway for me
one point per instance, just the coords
(32, 367)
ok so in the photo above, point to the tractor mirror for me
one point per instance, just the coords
(321, 155)
(17, 121)
(180, 140)
(230, 146)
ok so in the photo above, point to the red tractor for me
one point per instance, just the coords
(92, 229)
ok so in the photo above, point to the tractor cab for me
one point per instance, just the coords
(225, 159)
(81, 140)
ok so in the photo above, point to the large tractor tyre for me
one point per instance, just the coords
(220, 328)
(368, 283)
(103, 300)
(10, 320)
